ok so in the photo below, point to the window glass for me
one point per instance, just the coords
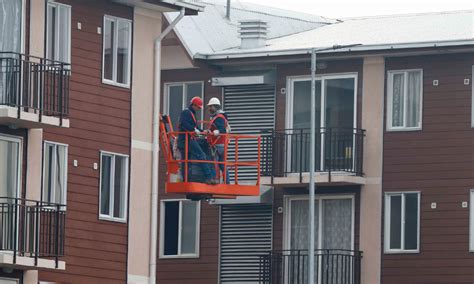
(175, 105)
(58, 27)
(114, 187)
(402, 222)
(405, 92)
(9, 170)
(395, 222)
(105, 185)
(117, 50)
(411, 221)
(171, 228)
(108, 49)
(10, 31)
(398, 100)
(188, 237)
(123, 51)
(54, 173)
(119, 186)
(413, 99)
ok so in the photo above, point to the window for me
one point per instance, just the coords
(405, 92)
(10, 166)
(472, 101)
(179, 228)
(471, 222)
(113, 186)
(178, 96)
(11, 31)
(54, 173)
(117, 51)
(402, 222)
(58, 32)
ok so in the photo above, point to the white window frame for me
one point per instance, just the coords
(471, 221)
(110, 217)
(114, 56)
(19, 140)
(390, 75)
(66, 155)
(162, 229)
(472, 97)
(55, 4)
(387, 249)
(184, 84)
(10, 280)
(319, 198)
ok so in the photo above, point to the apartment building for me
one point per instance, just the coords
(393, 147)
(76, 78)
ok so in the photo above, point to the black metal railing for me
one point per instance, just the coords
(288, 151)
(34, 84)
(332, 266)
(31, 228)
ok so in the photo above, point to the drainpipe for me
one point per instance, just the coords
(154, 168)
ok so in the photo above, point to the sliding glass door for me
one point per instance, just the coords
(9, 167)
(335, 122)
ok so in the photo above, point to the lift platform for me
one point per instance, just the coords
(183, 175)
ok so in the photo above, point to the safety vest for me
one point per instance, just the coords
(214, 140)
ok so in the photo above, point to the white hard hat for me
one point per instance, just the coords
(214, 101)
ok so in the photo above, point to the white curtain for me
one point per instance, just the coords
(413, 99)
(10, 25)
(337, 224)
(397, 100)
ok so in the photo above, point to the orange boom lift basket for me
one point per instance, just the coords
(183, 184)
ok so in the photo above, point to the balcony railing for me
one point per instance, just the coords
(34, 84)
(287, 151)
(332, 266)
(32, 229)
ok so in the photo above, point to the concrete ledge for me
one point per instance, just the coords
(9, 117)
(336, 178)
(28, 263)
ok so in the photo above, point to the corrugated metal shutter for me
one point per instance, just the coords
(251, 109)
(245, 234)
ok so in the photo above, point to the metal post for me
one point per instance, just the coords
(312, 158)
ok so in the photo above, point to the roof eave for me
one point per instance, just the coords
(300, 51)
(164, 5)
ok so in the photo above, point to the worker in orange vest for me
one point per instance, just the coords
(218, 126)
(188, 124)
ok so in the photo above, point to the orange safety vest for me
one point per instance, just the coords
(214, 140)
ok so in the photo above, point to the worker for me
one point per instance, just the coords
(189, 124)
(218, 127)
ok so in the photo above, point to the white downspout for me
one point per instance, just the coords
(156, 119)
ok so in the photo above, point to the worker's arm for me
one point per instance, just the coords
(220, 125)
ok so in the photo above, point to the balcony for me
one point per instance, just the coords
(331, 266)
(34, 92)
(339, 156)
(32, 234)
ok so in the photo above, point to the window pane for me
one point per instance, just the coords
(61, 187)
(48, 172)
(171, 227)
(10, 28)
(413, 99)
(50, 32)
(337, 223)
(340, 103)
(194, 90)
(395, 222)
(120, 186)
(397, 100)
(175, 104)
(108, 49)
(105, 185)
(302, 104)
(189, 227)
(411, 221)
(299, 224)
(123, 51)
(64, 30)
(9, 168)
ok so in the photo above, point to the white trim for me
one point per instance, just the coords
(114, 82)
(14, 280)
(390, 75)
(142, 145)
(472, 97)
(110, 217)
(57, 5)
(162, 229)
(287, 216)
(471, 221)
(66, 159)
(387, 249)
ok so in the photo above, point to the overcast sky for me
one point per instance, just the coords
(355, 8)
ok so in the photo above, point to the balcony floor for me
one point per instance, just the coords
(322, 178)
(28, 263)
(9, 117)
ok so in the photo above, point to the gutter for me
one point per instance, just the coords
(302, 51)
(155, 165)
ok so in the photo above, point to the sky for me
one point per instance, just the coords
(357, 8)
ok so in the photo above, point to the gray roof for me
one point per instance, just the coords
(374, 33)
(210, 32)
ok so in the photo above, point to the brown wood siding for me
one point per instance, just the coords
(202, 270)
(279, 201)
(438, 161)
(304, 69)
(100, 119)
